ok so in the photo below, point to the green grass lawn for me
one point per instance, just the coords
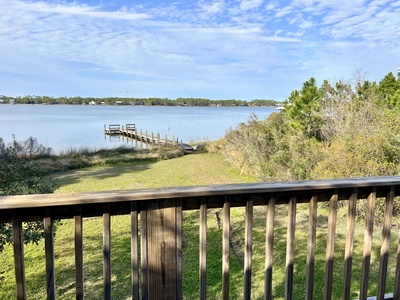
(197, 169)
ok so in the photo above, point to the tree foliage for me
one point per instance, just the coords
(302, 107)
(20, 175)
(340, 129)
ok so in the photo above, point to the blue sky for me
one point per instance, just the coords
(241, 49)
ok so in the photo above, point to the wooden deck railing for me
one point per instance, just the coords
(160, 226)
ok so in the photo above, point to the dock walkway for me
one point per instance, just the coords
(131, 132)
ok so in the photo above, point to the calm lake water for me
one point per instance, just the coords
(70, 126)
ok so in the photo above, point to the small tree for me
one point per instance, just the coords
(302, 108)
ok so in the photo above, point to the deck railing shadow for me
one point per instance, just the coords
(159, 262)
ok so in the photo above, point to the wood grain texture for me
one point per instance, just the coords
(387, 225)
(49, 253)
(269, 245)
(348, 252)
(226, 225)
(330, 246)
(248, 249)
(290, 248)
(369, 227)
(312, 236)
(203, 250)
(19, 265)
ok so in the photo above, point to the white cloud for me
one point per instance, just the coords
(250, 4)
(212, 8)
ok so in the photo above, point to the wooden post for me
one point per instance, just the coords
(147, 138)
(312, 236)
(248, 248)
(134, 251)
(330, 245)
(290, 248)
(106, 251)
(161, 228)
(269, 245)
(226, 214)
(158, 140)
(19, 265)
(152, 139)
(49, 250)
(203, 249)
(79, 255)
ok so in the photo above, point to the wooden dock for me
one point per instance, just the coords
(131, 132)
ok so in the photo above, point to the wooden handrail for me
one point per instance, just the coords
(160, 225)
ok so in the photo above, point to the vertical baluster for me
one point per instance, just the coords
(19, 265)
(49, 251)
(290, 248)
(369, 225)
(143, 252)
(225, 248)
(387, 224)
(269, 243)
(348, 252)
(79, 255)
(396, 292)
(248, 248)
(203, 249)
(178, 228)
(134, 251)
(312, 235)
(330, 246)
(106, 251)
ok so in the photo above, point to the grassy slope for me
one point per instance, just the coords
(188, 170)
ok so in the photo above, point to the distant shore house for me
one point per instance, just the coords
(92, 103)
(119, 103)
(1, 101)
(12, 101)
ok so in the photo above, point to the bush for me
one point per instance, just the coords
(19, 175)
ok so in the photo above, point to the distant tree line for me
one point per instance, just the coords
(29, 99)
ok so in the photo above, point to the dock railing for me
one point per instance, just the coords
(156, 270)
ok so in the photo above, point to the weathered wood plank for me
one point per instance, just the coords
(330, 246)
(290, 248)
(348, 252)
(248, 248)
(179, 257)
(162, 250)
(79, 281)
(134, 251)
(226, 224)
(203, 249)
(49, 253)
(106, 252)
(369, 227)
(144, 252)
(269, 244)
(19, 265)
(387, 225)
(396, 292)
(312, 236)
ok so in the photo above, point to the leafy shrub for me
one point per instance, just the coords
(19, 175)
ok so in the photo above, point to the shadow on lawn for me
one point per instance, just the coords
(104, 172)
